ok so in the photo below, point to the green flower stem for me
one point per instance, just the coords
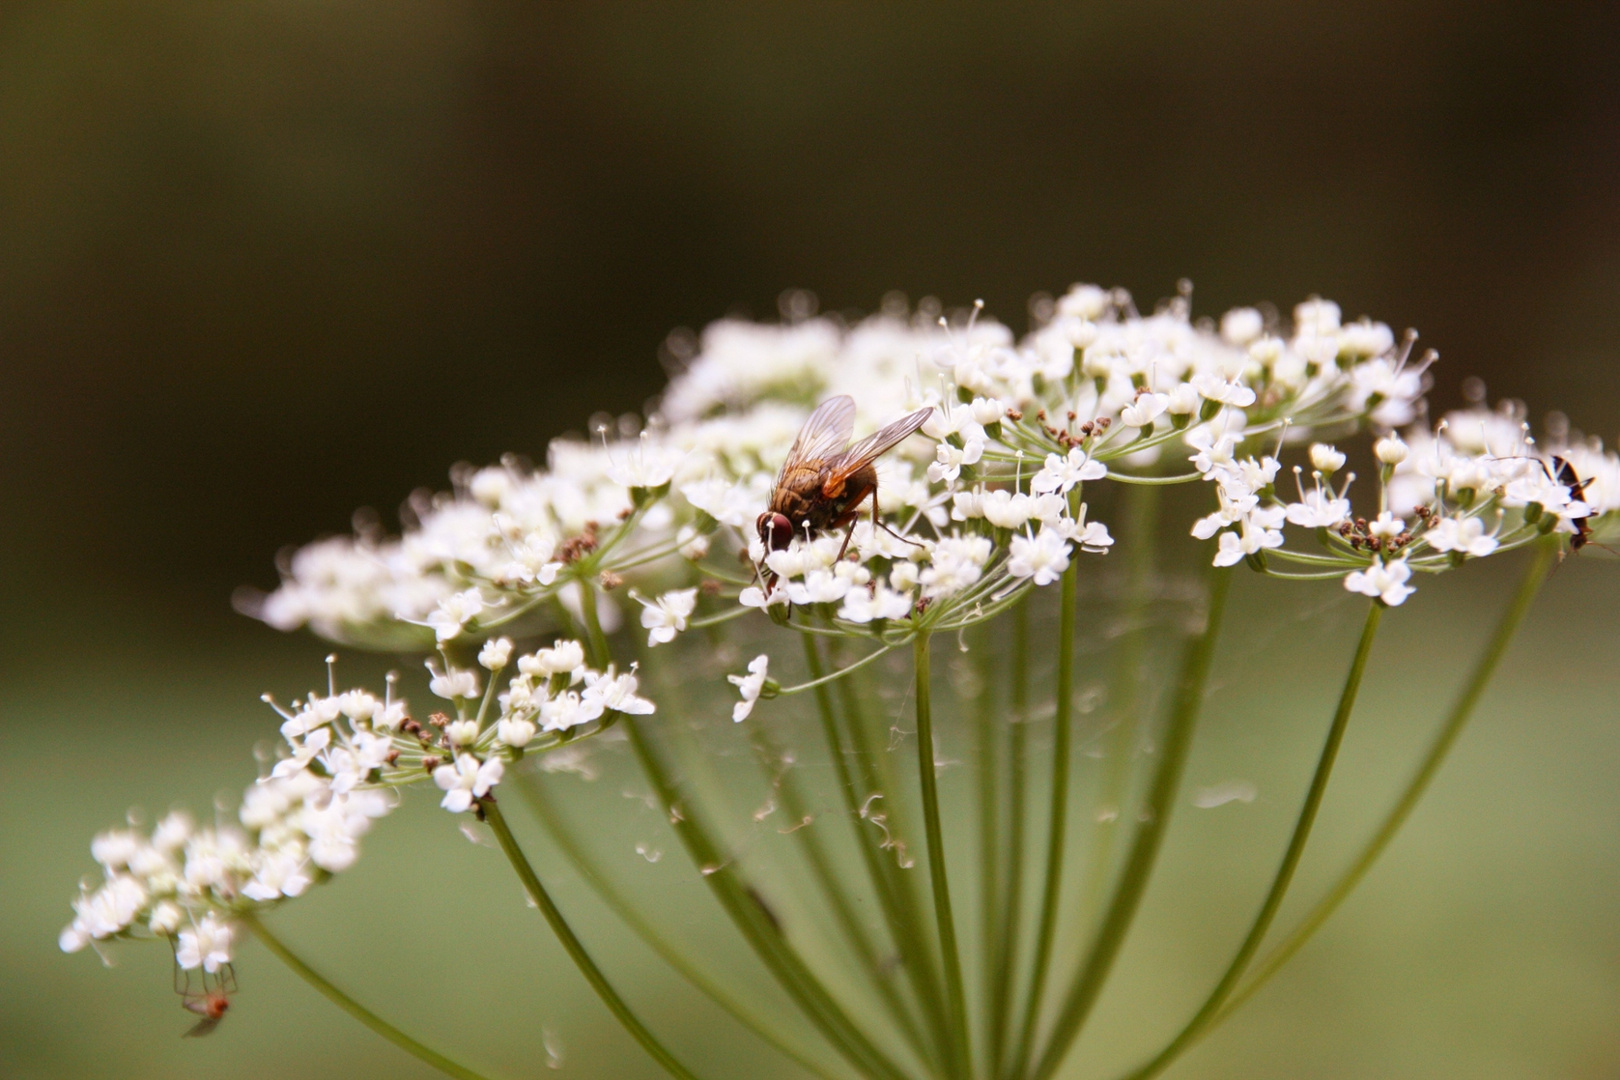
(568, 843)
(1124, 697)
(1462, 710)
(595, 639)
(989, 738)
(1004, 963)
(903, 921)
(827, 879)
(927, 774)
(1058, 815)
(741, 902)
(822, 680)
(743, 905)
(574, 947)
(1290, 860)
(1144, 851)
(351, 1006)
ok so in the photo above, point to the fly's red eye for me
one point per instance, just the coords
(780, 531)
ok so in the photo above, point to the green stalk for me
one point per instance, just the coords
(739, 901)
(742, 904)
(903, 922)
(988, 734)
(946, 922)
(1535, 574)
(626, 911)
(351, 1006)
(832, 889)
(1144, 851)
(574, 947)
(595, 640)
(1141, 504)
(1012, 904)
(1058, 816)
(1290, 861)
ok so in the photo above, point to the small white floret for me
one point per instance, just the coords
(749, 686)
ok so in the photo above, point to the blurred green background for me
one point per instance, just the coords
(264, 263)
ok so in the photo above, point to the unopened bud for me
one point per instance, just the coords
(1326, 459)
(1390, 450)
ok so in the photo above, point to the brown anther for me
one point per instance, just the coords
(430, 763)
(1071, 415)
(610, 581)
(392, 757)
(1345, 528)
(1355, 543)
(1374, 544)
(411, 727)
(1041, 416)
(1102, 424)
(1086, 428)
(1015, 415)
(626, 512)
(438, 720)
(709, 587)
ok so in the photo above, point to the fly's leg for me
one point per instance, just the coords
(878, 524)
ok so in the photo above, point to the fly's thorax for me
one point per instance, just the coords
(798, 490)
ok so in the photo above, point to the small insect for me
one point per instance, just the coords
(824, 480)
(210, 1002)
(1564, 473)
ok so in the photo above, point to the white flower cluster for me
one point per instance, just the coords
(1478, 484)
(346, 755)
(183, 882)
(984, 502)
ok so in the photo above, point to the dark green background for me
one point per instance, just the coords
(262, 263)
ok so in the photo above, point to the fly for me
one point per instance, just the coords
(824, 479)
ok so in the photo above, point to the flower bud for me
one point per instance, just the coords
(1390, 450)
(1326, 459)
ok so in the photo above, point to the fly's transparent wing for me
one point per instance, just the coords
(824, 434)
(874, 445)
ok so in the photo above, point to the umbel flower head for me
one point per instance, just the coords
(983, 504)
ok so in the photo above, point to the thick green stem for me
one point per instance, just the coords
(1005, 967)
(741, 902)
(574, 947)
(1124, 696)
(571, 848)
(988, 733)
(927, 774)
(595, 639)
(1290, 860)
(1058, 817)
(1144, 851)
(745, 907)
(904, 925)
(353, 1007)
(1461, 710)
(880, 974)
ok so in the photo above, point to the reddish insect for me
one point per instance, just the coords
(210, 1002)
(824, 480)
